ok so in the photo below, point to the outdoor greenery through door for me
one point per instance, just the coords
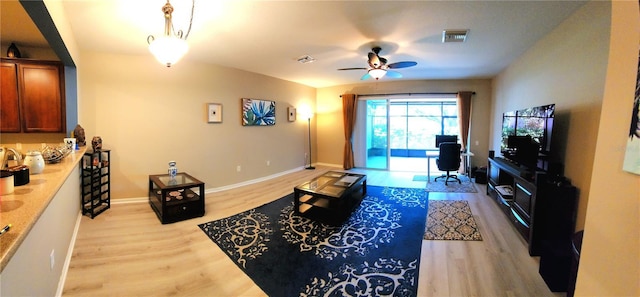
(400, 131)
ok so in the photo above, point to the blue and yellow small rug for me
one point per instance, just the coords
(376, 252)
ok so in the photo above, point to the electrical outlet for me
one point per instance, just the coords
(238, 168)
(268, 163)
(52, 259)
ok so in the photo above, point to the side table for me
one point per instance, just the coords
(176, 199)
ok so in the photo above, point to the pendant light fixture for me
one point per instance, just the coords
(172, 46)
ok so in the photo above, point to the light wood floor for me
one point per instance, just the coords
(127, 252)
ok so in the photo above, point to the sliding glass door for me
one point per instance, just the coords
(398, 132)
(415, 124)
(377, 135)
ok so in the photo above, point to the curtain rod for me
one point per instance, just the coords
(410, 94)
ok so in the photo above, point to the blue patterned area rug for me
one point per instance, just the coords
(376, 252)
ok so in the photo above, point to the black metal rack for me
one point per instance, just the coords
(95, 182)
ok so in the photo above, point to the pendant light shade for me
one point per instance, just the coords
(172, 46)
(168, 50)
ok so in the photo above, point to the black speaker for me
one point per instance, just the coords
(555, 170)
(492, 154)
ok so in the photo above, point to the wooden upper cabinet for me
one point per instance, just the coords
(41, 97)
(9, 104)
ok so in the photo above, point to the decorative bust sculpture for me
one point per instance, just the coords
(96, 143)
(78, 133)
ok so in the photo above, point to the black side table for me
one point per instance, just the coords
(176, 198)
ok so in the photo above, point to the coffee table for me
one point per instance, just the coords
(331, 197)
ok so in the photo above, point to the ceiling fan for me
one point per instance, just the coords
(378, 66)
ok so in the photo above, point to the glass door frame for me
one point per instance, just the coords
(367, 147)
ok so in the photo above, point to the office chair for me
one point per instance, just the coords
(449, 160)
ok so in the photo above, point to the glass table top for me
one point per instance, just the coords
(179, 180)
(332, 183)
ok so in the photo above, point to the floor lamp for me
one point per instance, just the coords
(309, 125)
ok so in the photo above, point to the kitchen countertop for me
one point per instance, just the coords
(26, 204)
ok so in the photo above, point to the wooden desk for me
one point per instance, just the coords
(430, 154)
(435, 154)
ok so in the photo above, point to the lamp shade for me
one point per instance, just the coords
(168, 50)
(377, 73)
(305, 111)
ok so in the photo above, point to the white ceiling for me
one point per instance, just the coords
(268, 37)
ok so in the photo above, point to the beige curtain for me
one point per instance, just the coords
(464, 116)
(349, 104)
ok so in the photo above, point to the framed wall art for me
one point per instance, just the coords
(291, 114)
(631, 161)
(214, 113)
(256, 112)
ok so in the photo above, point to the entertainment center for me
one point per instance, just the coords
(531, 191)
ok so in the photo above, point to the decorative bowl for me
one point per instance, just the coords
(55, 154)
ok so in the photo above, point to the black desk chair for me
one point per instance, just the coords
(449, 160)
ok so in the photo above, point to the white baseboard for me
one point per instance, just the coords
(329, 165)
(67, 259)
(218, 189)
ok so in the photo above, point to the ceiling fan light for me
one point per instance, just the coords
(377, 73)
(168, 50)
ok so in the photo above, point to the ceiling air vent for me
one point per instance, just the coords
(306, 59)
(454, 35)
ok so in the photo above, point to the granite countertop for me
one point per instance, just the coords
(26, 204)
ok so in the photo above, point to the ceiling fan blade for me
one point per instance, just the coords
(403, 64)
(365, 76)
(353, 68)
(393, 74)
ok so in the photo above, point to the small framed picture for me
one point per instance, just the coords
(214, 113)
(291, 114)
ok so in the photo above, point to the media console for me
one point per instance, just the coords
(542, 209)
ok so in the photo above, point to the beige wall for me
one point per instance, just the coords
(149, 114)
(567, 67)
(592, 83)
(28, 52)
(330, 128)
(610, 262)
(59, 17)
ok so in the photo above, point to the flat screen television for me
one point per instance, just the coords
(526, 134)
